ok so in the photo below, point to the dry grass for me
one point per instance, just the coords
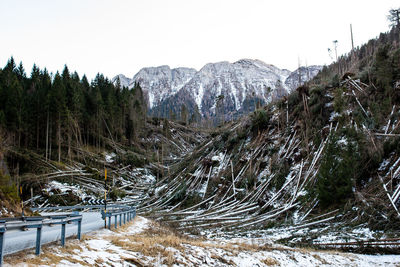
(317, 257)
(124, 227)
(69, 248)
(222, 259)
(149, 246)
(308, 250)
(270, 262)
(135, 261)
(46, 258)
(157, 239)
(76, 261)
(49, 255)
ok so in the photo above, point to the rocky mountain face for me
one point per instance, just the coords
(301, 75)
(218, 88)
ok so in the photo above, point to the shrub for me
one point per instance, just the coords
(180, 193)
(281, 172)
(338, 101)
(225, 135)
(116, 193)
(9, 190)
(260, 119)
(131, 158)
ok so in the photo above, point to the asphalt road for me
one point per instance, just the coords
(16, 240)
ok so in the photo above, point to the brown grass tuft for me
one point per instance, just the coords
(270, 262)
(135, 261)
(317, 257)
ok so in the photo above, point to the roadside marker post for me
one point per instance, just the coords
(22, 202)
(37, 223)
(78, 235)
(2, 231)
(63, 234)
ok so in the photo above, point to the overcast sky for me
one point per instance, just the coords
(122, 36)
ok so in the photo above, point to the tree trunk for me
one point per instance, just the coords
(37, 134)
(59, 137)
(47, 135)
(69, 139)
(51, 139)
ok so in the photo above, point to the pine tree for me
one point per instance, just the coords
(394, 17)
(184, 114)
(338, 171)
(58, 108)
(39, 111)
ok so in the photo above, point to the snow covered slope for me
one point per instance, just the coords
(158, 83)
(301, 75)
(146, 243)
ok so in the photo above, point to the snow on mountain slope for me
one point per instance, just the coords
(158, 82)
(241, 83)
(161, 82)
(236, 81)
(123, 80)
(301, 75)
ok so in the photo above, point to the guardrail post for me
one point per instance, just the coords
(2, 231)
(79, 229)
(38, 239)
(109, 222)
(124, 218)
(129, 216)
(63, 234)
(120, 220)
(115, 224)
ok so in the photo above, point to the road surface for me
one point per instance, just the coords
(16, 240)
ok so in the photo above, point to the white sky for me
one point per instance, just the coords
(118, 36)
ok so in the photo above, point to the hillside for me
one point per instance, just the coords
(327, 155)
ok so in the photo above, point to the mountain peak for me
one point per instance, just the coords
(239, 82)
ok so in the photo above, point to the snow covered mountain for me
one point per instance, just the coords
(158, 83)
(242, 84)
(123, 81)
(301, 75)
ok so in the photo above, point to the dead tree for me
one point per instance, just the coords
(304, 93)
(394, 17)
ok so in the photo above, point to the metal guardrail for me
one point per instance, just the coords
(127, 213)
(37, 222)
(395, 242)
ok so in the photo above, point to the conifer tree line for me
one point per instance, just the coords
(57, 114)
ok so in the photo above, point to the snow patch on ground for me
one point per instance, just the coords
(112, 248)
(65, 187)
(110, 157)
(333, 116)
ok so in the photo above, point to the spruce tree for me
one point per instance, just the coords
(338, 170)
